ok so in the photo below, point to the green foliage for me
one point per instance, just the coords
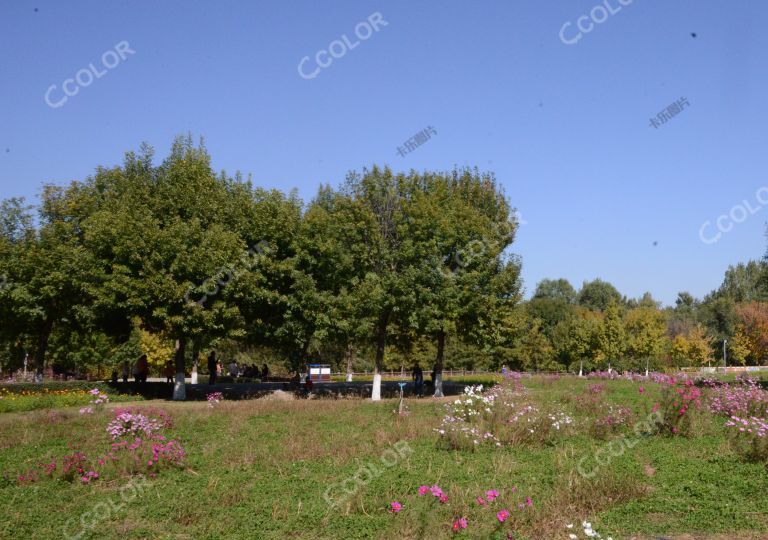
(598, 295)
(533, 351)
(553, 303)
(611, 340)
(140, 256)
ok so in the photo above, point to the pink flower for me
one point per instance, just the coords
(641, 389)
(443, 498)
(436, 491)
(481, 501)
(529, 501)
(502, 515)
(491, 494)
(396, 507)
(514, 489)
(459, 524)
(423, 490)
(655, 408)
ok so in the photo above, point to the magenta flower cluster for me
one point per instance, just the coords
(147, 454)
(214, 398)
(435, 491)
(131, 424)
(143, 450)
(486, 500)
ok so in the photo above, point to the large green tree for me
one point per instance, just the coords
(168, 239)
(459, 230)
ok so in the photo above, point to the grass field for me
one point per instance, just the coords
(270, 468)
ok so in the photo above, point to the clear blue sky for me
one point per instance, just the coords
(564, 127)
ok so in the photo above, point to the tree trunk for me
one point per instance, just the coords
(439, 363)
(381, 343)
(195, 359)
(350, 355)
(179, 389)
(42, 347)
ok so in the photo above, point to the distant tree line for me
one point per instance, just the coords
(382, 272)
(597, 327)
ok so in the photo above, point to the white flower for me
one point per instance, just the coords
(573, 536)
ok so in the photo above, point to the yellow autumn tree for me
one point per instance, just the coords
(157, 347)
(740, 347)
(646, 330)
(692, 348)
(699, 346)
(679, 351)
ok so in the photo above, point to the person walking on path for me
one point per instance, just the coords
(234, 370)
(418, 380)
(142, 369)
(169, 372)
(212, 368)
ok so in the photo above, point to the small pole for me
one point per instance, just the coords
(725, 353)
(400, 406)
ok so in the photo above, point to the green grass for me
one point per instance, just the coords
(258, 469)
